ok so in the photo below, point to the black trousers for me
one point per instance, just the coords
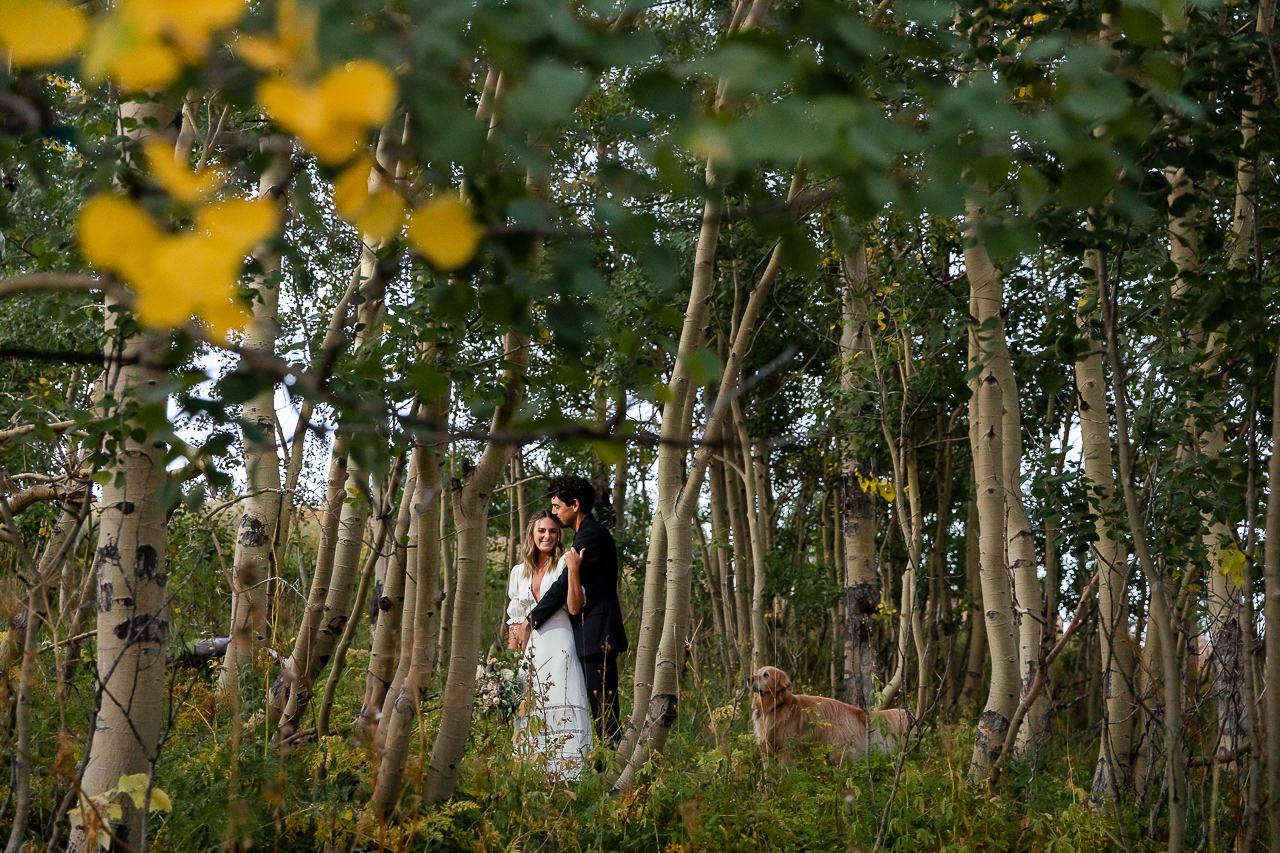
(601, 674)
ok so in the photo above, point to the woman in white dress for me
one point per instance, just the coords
(555, 718)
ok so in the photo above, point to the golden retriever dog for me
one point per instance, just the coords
(782, 719)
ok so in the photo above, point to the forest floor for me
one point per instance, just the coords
(709, 791)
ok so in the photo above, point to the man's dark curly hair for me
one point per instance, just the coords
(569, 488)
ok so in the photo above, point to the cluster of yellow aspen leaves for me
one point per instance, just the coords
(142, 46)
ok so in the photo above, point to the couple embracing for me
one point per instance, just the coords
(564, 614)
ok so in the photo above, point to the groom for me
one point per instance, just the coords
(598, 630)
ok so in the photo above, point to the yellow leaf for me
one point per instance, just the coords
(1231, 563)
(886, 490)
(444, 231)
(177, 180)
(351, 189)
(293, 48)
(116, 234)
(383, 215)
(160, 801)
(135, 786)
(177, 275)
(361, 199)
(332, 117)
(361, 93)
(134, 58)
(191, 23)
(238, 225)
(37, 32)
(263, 53)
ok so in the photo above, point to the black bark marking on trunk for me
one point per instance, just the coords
(989, 738)
(146, 563)
(104, 597)
(109, 553)
(125, 507)
(253, 533)
(143, 628)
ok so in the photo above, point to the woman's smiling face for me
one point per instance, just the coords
(546, 535)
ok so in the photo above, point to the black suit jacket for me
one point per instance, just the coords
(599, 627)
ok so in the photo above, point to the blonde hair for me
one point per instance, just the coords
(529, 550)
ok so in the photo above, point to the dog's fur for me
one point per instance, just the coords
(782, 719)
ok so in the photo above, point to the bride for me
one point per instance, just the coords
(554, 720)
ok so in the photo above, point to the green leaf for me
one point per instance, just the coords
(610, 452)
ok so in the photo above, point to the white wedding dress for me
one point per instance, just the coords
(554, 721)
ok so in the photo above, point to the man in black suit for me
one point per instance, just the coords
(598, 629)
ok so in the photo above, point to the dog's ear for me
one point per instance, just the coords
(782, 681)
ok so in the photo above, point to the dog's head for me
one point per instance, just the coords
(770, 680)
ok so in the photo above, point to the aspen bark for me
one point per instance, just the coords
(131, 568)
(1020, 540)
(391, 605)
(470, 513)
(723, 554)
(986, 348)
(1271, 612)
(349, 517)
(664, 557)
(1224, 601)
(619, 472)
(1110, 556)
(735, 503)
(679, 492)
(976, 655)
(295, 666)
(448, 567)
(759, 630)
(254, 560)
(44, 577)
(1162, 614)
(857, 522)
(418, 631)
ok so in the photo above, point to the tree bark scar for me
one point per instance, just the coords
(104, 597)
(989, 738)
(253, 533)
(109, 553)
(143, 628)
(146, 563)
(125, 507)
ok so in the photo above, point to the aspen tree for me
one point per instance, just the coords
(857, 522)
(1161, 625)
(678, 495)
(254, 560)
(1109, 554)
(392, 606)
(987, 427)
(130, 563)
(976, 653)
(418, 630)
(1271, 612)
(470, 515)
(348, 510)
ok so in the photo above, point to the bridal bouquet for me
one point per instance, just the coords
(499, 686)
